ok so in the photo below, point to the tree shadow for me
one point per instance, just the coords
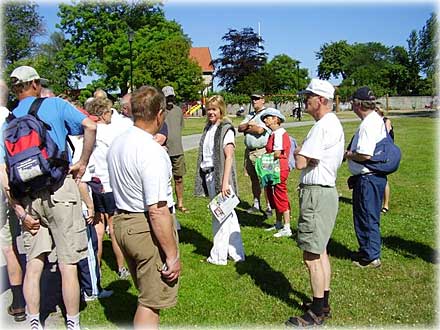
(345, 200)
(190, 236)
(410, 249)
(270, 281)
(121, 306)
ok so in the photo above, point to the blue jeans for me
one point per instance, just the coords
(367, 203)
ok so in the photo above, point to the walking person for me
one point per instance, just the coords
(175, 122)
(279, 144)
(140, 175)
(217, 146)
(368, 186)
(318, 158)
(52, 214)
(256, 134)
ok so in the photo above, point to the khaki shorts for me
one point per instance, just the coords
(144, 260)
(10, 229)
(250, 157)
(178, 164)
(61, 224)
(318, 210)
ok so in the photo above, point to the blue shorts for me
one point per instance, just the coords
(104, 203)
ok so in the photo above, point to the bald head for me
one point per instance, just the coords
(99, 93)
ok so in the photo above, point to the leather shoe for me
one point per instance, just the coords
(19, 314)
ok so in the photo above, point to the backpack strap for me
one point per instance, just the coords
(33, 110)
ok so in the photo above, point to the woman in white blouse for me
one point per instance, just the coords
(216, 174)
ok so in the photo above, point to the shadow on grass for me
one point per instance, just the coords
(338, 250)
(270, 281)
(250, 219)
(108, 256)
(121, 306)
(190, 236)
(345, 200)
(410, 249)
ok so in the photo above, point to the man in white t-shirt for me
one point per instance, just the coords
(368, 187)
(319, 158)
(140, 175)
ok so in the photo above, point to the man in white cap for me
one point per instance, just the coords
(175, 123)
(319, 158)
(57, 209)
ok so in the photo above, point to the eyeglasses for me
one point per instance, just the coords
(254, 99)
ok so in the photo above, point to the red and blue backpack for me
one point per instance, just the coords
(33, 159)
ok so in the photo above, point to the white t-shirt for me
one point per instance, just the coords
(278, 139)
(324, 142)
(370, 132)
(140, 171)
(208, 145)
(120, 123)
(97, 166)
(4, 113)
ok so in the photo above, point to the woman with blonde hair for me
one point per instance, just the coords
(217, 146)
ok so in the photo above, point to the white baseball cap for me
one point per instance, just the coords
(26, 73)
(320, 87)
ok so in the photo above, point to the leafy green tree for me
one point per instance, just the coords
(242, 55)
(427, 52)
(334, 59)
(22, 25)
(98, 43)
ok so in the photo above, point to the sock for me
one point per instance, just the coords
(34, 321)
(256, 203)
(317, 306)
(287, 226)
(73, 322)
(326, 295)
(17, 296)
(278, 224)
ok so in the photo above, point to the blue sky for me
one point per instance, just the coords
(294, 28)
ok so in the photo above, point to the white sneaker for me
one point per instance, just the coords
(253, 209)
(283, 233)
(90, 298)
(275, 227)
(105, 294)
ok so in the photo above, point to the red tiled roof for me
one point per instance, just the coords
(202, 55)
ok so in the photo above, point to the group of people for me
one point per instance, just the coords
(121, 173)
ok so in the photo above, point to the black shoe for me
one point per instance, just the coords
(19, 314)
(356, 256)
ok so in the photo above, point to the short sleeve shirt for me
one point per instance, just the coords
(140, 171)
(279, 141)
(256, 141)
(325, 143)
(370, 132)
(63, 118)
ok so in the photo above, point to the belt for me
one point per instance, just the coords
(119, 211)
(253, 149)
(207, 170)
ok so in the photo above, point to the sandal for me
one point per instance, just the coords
(302, 322)
(384, 210)
(182, 209)
(326, 311)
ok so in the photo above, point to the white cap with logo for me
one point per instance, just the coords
(320, 87)
(168, 91)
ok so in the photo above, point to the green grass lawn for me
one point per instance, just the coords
(270, 285)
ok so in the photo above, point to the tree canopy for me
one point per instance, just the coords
(242, 55)
(22, 25)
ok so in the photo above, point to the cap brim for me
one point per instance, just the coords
(305, 92)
